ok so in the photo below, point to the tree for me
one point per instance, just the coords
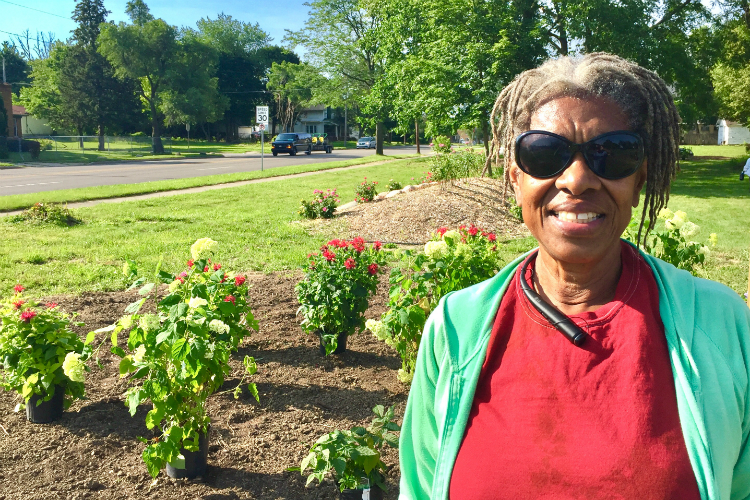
(37, 47)
(16, 68)
(342, 40)
(291, 85)
(138, 12)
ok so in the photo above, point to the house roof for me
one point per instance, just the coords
(19, 110)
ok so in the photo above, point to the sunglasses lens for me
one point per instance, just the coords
(614, 156)
(542, 155)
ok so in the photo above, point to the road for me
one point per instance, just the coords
(39, 178)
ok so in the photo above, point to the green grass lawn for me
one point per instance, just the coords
(20, 201)
(256, 225)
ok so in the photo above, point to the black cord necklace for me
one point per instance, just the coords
(561, 322)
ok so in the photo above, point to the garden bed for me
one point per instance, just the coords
(93, 451)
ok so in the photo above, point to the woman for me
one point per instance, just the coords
(585, 369)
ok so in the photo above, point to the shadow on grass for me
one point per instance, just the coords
(711, 178)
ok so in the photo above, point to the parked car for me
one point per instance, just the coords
(292, 143)
(366, 143)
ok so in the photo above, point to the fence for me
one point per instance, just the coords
(89, 145)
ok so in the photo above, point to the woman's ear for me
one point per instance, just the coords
(515, 175)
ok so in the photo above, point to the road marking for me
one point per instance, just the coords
(37, 184)
(213, 168)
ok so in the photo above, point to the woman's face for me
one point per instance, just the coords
(548, 203)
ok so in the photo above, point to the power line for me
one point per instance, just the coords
(32, 8)
(8, 32)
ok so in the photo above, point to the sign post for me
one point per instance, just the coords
(261, 118)
(187, 127)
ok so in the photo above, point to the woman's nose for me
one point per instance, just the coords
(578, 177)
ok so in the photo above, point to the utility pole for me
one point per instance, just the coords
(346, 128)
(4, 81)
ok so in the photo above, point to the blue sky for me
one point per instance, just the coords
(274, 17)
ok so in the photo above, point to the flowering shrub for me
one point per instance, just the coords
(338, 283)
(39, 351)
(441, 144)
(671, 244)
(452, 260)
(353, 455)
(182, 352)
(323, 205)
(366, 191)
(393, 185)
(456, 165)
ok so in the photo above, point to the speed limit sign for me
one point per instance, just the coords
(261, 116)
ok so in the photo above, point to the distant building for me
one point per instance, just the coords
(701, 133)
(732, 132)
(29, 125)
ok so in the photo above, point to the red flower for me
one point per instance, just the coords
(230, 298)
(224, 278)
(17, 304)
(358, 244)
(473, 231)
(462, 227)
(239, 280)
(205, 269)
(377, 245)
(191, 263)
(329, 255)
(491, 237)
(441, 231)
(51, 305)
(27, 315)
(18, 288)
(179, 278)
(217, 267)
(372, 269)
(350, 263)
(183, 274)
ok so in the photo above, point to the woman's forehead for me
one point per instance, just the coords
(576, 117)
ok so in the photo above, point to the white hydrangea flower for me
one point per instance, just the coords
(218, 326)
(463, 250)
(140, 352)
(377, 328)
(404, 376)
(126, 322)
(689, 229)
(704, 250)
(452, 235)
(436, 249)
(665, 214)
(202, 247)
(174, 286)
(677, 220)
(196, 302)
(713, 238)
(149, 322)
(73, 367)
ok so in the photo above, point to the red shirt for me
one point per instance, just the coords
(555, 421)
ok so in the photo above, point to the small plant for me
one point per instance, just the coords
(323, 205)
(514, 209)
(353, 455)
(393, 185)
(337, 287)
(366, 191)
(452, 260)
(441, 144)
(671, 243)
(181, 353)
(49, 213)
(686, 154)
(460, 165)
(39, 353)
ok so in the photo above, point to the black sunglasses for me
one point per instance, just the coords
(613, 155)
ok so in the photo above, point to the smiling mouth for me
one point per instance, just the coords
(577, 218)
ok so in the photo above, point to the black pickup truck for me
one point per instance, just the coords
(292, 143)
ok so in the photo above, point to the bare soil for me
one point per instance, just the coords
(93, 451)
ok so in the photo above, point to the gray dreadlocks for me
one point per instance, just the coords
(642, 95)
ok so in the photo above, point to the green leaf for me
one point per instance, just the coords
(133, 400)
(178, 462)
(180, 350)
(146, 289)
(154, 418)
(135, 306)
(250, 366)
(165, 277)
(126, 366)
(90, 337)
(137, 283)
(306, 461)
(170, 300)
(117, 351)
(254, 391)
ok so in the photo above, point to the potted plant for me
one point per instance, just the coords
(452, 260)
(353, 457)
(335, 292)
(42, 359)
(180, 355)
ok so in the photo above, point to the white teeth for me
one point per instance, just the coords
(582, 218)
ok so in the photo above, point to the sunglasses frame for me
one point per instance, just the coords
(575, 148)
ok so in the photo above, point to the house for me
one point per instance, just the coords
(732, 132)
(312, 120)
(8, 102)
(29, 125)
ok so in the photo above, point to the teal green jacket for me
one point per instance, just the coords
(707, 326)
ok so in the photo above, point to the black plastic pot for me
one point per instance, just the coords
(340, 346)
(375, 494)
(47, 411)
(196, 462)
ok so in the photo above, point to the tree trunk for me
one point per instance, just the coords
(158, 147)
(485, 131)
(101, 137)
(80, 137)
(416, 135)
(379, 138)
